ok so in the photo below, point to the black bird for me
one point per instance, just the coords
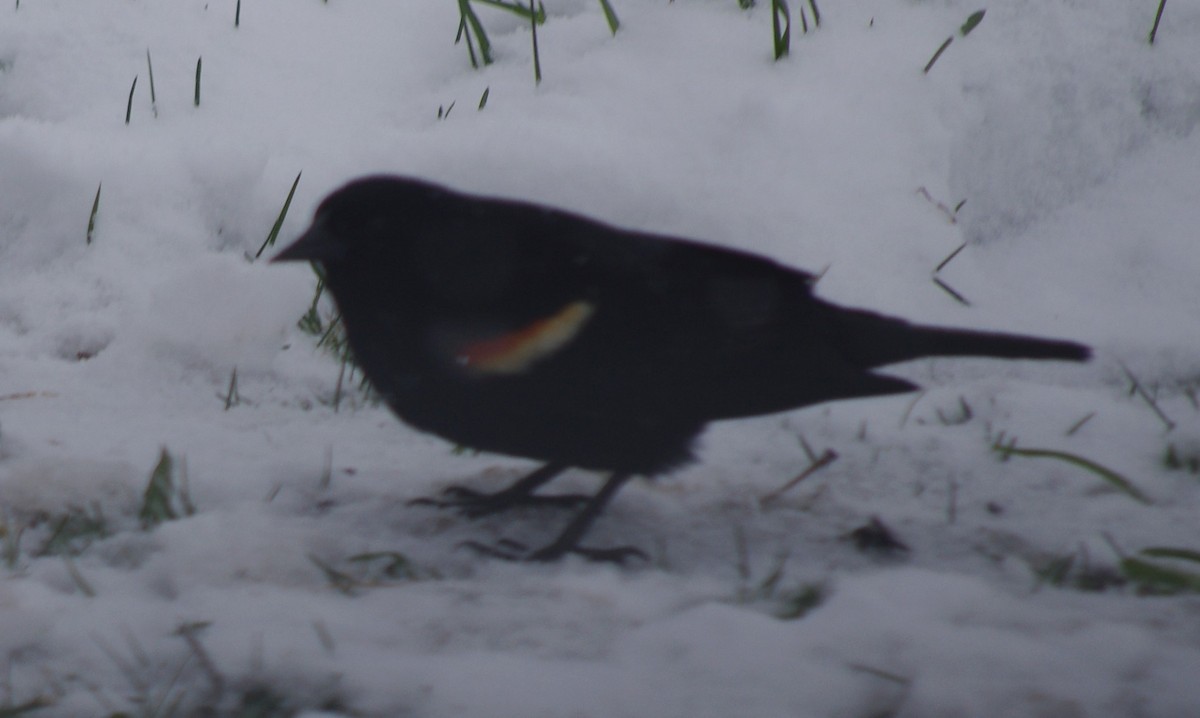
(515, 328)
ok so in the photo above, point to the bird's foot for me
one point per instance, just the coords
(508, 550)
(477, 504)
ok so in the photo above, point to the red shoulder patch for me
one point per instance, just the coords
(514, 352)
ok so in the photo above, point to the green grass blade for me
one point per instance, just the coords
(1167, 552)
(92, 217)
(971, 23)
(150, 71)
(473, 25)
(157, 499)
(936, 55)
(537, 61)
(525, 13)
(610, 16)
(274, 233)
(1157, 19)
(1117, 481)
(1160, 579)
(781, 26)
(196, 99)
(129, 102)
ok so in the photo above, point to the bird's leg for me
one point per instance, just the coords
(568, 541)
(474, 504)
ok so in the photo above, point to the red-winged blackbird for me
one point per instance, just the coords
(510, 327)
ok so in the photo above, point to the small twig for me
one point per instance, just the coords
(1136, 387)
(824, 460)
(948, 290)
(951, 256)
(964, 414)
(909, 409)
(232, 398)
(1079, 424)
(808, 451)
(879, 673)
(950, 213)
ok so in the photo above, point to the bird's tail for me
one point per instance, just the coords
(876, 340)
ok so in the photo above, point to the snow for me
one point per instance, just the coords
(1073, 141)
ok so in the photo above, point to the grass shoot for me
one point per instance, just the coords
(275, 228)
(1157, 19)
(781, 28)
(129, 102)
(166, 497)
(971, 23)
(91, 228)
(150, 72)
(1009, 449)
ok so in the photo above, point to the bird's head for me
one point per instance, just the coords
(363, 221)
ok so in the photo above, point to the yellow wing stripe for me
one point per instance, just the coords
(518, 350)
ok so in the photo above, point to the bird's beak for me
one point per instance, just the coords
(315, 245)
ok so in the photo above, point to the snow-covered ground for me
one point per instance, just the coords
(1073, 141)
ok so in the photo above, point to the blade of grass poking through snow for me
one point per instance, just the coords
(463, 32)
(972, 21)
(150, 71)
(951, 291)
(1156, 578)
(1114, 479)
(237, 14)
(816, 13)
(469, 24)
(35, 704)
(196, 100)
(483, 97)
(1182, 554)
(781, 29)
(949, 258)
(537, 62)
(129, 102)
(610, 16)
(163, 494)
(1157, 19)
(92, 216)
(1136, 388)
(274, 233)
(516, 8)
(938, 54)
(232, 398)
